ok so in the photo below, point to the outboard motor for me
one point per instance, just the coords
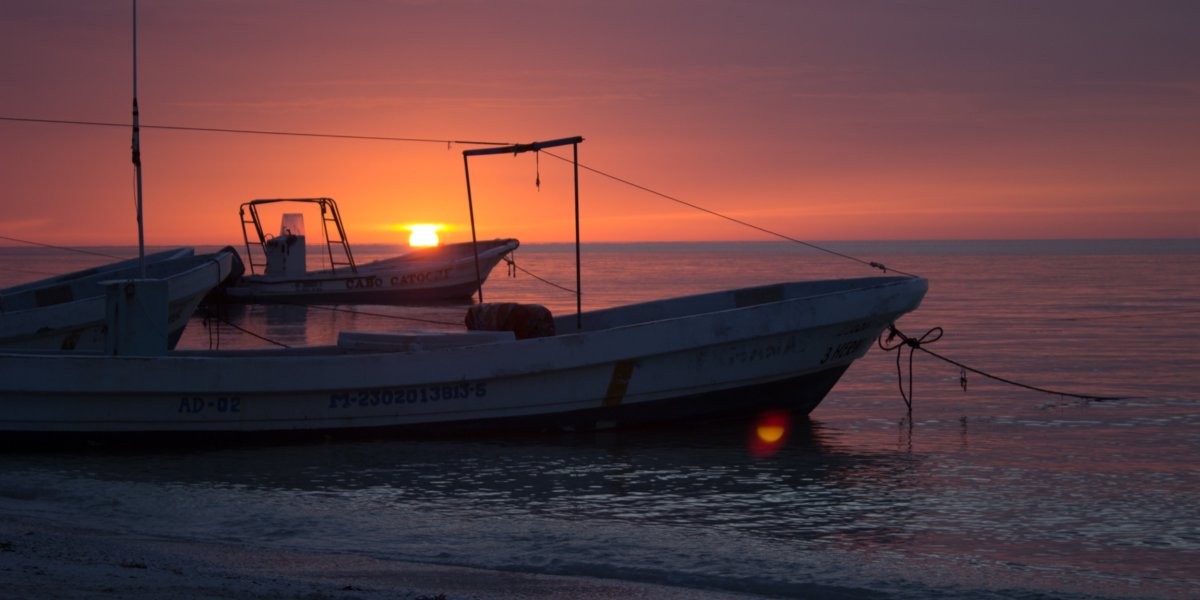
(286, 255)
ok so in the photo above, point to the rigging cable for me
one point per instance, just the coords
(374, 314)
(67, 248)
(714, 213)
(380, 138)
(216, 316)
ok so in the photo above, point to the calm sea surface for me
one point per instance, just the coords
(989, 492)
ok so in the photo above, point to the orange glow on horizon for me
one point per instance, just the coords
(905, 143)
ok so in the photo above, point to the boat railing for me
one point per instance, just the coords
(248, 212)
(725, 300)
(329, 214)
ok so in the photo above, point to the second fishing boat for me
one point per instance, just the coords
(278, 265)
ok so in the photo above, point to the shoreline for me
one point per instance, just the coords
(45, 561)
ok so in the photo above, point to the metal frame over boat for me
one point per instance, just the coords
(734, 351)
(445, 272)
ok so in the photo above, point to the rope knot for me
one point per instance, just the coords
(913, 345)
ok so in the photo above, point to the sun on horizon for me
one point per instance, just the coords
(423, 235)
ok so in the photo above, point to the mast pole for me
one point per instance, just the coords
(474, 240)
(578, 263)
(137, 154)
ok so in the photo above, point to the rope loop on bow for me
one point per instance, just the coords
(913, 344)
(889, 344)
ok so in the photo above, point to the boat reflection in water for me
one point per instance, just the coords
(705, 474)
(458, 463)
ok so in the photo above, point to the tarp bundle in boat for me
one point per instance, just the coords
(524, 320)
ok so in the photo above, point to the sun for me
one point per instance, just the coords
(424, 235)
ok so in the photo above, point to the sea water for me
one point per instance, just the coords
(989, 490)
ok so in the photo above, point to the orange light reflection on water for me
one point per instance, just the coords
(769, 433)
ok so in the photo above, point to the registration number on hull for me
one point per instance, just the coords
(407, 395)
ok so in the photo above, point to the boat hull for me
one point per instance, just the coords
(438, 274)
(798, 395)
(78, 322)
(730, 352)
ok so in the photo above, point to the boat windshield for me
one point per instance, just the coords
(292, 224)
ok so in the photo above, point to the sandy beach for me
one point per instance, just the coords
(43, 561)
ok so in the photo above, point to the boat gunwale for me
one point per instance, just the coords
(334, 349)
(59, 317)
(96, 272)
(496, 359)
(884, 281)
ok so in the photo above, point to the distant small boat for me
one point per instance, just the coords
(67, 312)
(439, 273)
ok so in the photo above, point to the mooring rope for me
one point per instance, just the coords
(374, 314)
(935, 334)
(214, 331)
(512, 263)
(209, 314)
(1109, 317)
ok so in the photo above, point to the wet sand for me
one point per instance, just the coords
(43, 561)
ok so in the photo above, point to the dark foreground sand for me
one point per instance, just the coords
(40, 561)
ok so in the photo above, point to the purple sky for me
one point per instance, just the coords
(822, 120)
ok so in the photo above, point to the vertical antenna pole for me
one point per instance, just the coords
(474, 241)
(578, 265)
(137, 154)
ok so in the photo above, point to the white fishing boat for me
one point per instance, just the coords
(278, 265)
(67, 312)
(735, 351)
(516, 368)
